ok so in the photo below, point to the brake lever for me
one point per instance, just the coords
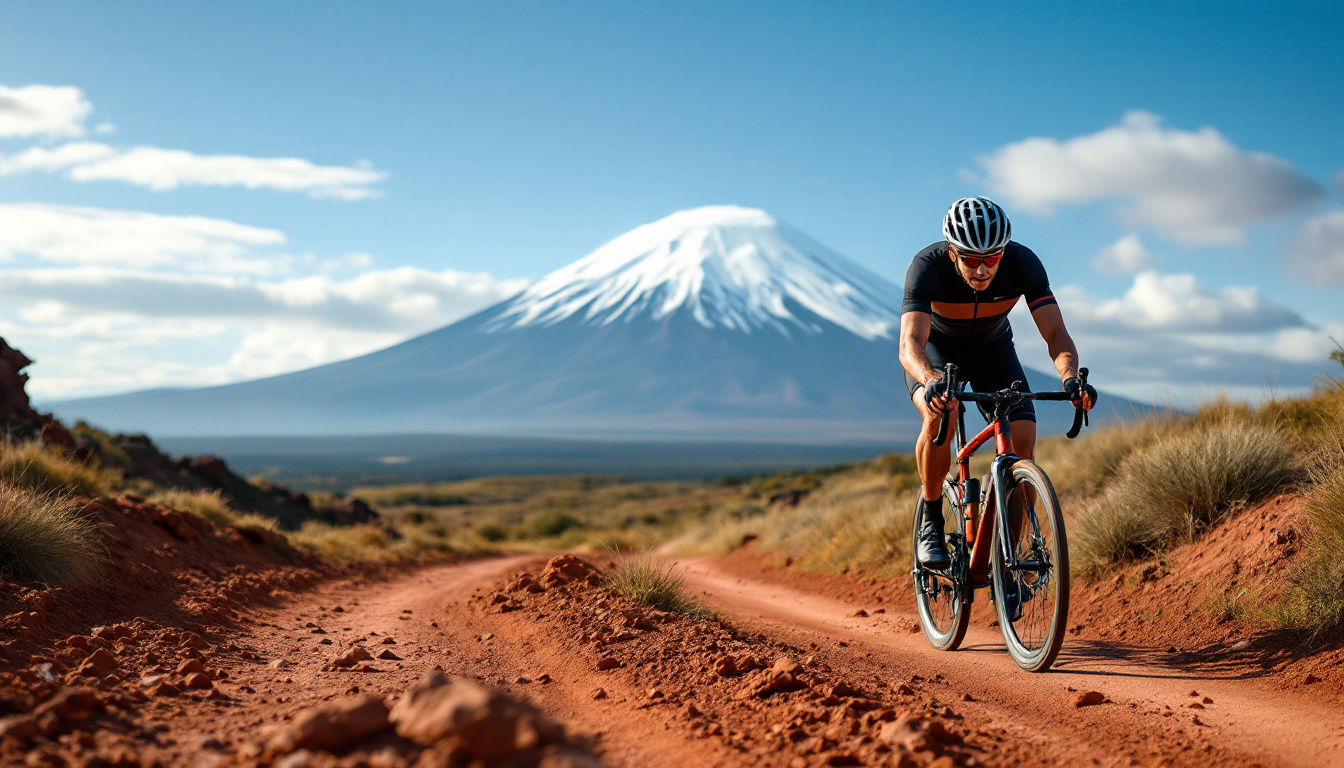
(1079, 414)
(950, 376)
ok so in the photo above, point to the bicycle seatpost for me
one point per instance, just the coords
(950, 376)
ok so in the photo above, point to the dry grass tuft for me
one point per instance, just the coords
(1181, 485)
(31, 465)
(641, 579)
(1314, 603)
(1081, 468)
(344, 543)
(45, 538)
(212, 506)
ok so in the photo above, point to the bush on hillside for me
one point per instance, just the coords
(212, 506)
(1080, 468)
(344, 543)
(45, 538)
(29, 464)
(1178, 487)
(1315, 600)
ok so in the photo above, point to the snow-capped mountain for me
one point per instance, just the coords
(729, 267)
(717, 322)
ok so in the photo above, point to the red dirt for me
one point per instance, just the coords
(834, 688)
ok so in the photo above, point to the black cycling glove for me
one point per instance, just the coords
(936, 388)
(1075, 391)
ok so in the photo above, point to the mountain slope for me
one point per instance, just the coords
(714, 322)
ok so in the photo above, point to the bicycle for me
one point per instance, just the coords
(1022, 556)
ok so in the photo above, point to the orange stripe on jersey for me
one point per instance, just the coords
(961, 311)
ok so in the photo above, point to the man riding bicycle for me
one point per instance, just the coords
(958, 293)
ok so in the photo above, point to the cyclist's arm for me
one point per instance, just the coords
(1050, 322)
(914, 335)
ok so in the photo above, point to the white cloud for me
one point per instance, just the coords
(165, 169)
(116, 300)
(1319, 250)
(56, 159)
(1124, 257)
(1171, 339)
(400, 300)
(42, 110)
(1191, 186)
(1179, 304)
(134, 239)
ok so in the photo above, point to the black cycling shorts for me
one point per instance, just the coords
(988, 368)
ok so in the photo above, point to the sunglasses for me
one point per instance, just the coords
(989, 260)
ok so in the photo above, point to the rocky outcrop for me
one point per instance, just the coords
(17, 415)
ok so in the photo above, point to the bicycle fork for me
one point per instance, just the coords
(1001, 472)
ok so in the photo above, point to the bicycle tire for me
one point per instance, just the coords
(1035, 637)
(944, 619)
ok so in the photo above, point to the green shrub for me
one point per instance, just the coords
(45, 538)
(553, 523)
(31, 465)
(641, 579)
(492, 532)
(1178, 487)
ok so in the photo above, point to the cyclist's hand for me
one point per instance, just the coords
(937, 397)
(1082, 397)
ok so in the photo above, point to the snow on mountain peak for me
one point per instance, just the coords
(727, 266)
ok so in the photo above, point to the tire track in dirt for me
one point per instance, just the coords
(427, 615)
(1148, 717)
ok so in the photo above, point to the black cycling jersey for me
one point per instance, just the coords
(961, 315)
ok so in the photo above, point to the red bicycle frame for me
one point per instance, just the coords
(983, 529)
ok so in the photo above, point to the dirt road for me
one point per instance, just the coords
(1149, 691)
(642, 711)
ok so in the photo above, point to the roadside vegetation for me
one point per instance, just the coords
(45, 538)
(642, 579)
(29, 464)
(212, 506)
(540, 513)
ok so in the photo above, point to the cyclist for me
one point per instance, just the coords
(958, 293)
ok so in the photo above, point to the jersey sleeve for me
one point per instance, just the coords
(918, 287)
(1035, 283)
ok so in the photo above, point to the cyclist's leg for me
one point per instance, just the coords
(1024, 437)
(933, 461)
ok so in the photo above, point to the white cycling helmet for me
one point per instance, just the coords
(977, 225)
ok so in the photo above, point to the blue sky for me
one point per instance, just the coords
(456, 150)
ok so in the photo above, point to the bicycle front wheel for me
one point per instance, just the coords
(1031, 595)
(942, 596)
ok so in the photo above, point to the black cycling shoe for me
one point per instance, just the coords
(931, 547)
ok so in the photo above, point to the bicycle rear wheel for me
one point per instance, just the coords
(941, 596)
(1032, 598)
